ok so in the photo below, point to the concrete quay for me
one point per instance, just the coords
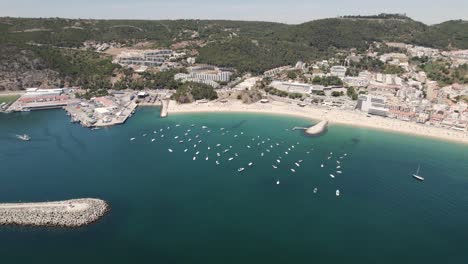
(317, 129)
(68, 213)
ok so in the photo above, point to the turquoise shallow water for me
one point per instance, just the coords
(167, 208)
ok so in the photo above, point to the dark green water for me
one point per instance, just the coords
(167, 208)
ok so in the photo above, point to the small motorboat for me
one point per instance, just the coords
(25, 137)
(337, 192)
(240, 169)
(417, 176)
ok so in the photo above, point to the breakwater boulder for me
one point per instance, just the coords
(68, 213)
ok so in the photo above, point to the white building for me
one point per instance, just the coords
(149, 58)
(292, 87)
(31, 92)
(374, 105)
(275, 71)
(338, 71)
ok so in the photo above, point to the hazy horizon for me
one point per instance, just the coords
(257, 10)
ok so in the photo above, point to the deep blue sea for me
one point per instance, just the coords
(169, 208)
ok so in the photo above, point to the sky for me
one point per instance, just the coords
(285, 11)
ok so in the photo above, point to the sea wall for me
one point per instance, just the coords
(68, 213)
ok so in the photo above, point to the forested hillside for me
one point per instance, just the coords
(49, 47)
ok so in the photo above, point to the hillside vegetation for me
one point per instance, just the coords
(45, 50)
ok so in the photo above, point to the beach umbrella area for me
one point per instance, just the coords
(199, 144)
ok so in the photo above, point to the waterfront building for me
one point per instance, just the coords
(375, 105)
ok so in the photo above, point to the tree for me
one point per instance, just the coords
(292, 75)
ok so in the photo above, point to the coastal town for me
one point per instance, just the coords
(399, 90)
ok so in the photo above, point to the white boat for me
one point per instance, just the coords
(293, 170)
(217, 154)
(250, 163)
(131, 139)
(217, 162)
(286, 152)
(417, 176)
(277, 182)
(170, 150)
(339, 172)
(218, 145)
(274, 167)
(248, 146)
(297, 164)
(176, 137)
(185, 150)
(315, 190)
(209, 148)
(144, 135)
(337, 192)
(206, 158)
(195, 157)
(331, 175)
(240, 169)
(235, 154)
(321, 166)
(279, 161)
(23, 137)
(197, 152)
(338, 167)
(152, 140)
(262, 154)
(231, 158)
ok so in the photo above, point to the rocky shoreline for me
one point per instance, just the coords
(68, 213)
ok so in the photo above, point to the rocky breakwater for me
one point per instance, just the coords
(317, 129)
(68, 213)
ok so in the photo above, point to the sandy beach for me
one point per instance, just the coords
(334, 116)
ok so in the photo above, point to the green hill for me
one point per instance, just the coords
(245, 45)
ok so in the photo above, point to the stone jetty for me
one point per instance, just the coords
(68, 213)
(317, 129)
